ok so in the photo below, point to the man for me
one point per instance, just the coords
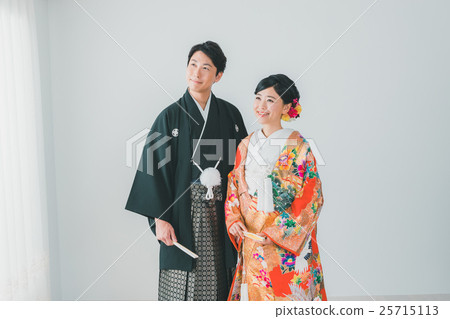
(204, 132)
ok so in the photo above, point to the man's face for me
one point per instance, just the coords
(201, 73)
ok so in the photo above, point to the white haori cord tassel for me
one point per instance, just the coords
(209, 178)
(265, 195)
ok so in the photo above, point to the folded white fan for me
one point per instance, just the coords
(253, 236)
(187, 251)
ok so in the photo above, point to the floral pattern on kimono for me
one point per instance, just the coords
(290, 267)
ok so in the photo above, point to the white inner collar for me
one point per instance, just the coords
(204, 112)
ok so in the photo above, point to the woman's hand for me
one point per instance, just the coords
(267, 240)
(237, 230)
(165, 232)
(245, 200)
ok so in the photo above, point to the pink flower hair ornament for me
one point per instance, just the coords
(294, 111)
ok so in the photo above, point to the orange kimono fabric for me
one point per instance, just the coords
(290, 268)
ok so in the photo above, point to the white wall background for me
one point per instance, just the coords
(41, 14)
(375, 104)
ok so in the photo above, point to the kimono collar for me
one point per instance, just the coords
(193, 108)
(203, 112)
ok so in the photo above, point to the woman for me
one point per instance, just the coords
(274, 192)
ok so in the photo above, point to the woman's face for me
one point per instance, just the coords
(269, 107)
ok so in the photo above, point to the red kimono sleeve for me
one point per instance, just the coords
(232, 208)
(291, 228)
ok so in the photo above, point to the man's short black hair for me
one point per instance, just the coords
(213, 51)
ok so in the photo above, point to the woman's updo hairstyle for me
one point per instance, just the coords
(283, 85)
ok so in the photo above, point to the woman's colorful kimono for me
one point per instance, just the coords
(289, 269)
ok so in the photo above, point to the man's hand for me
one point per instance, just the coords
(237, 230)
(165, 232)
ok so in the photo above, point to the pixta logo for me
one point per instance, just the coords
(315, 150)
(140, 151)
